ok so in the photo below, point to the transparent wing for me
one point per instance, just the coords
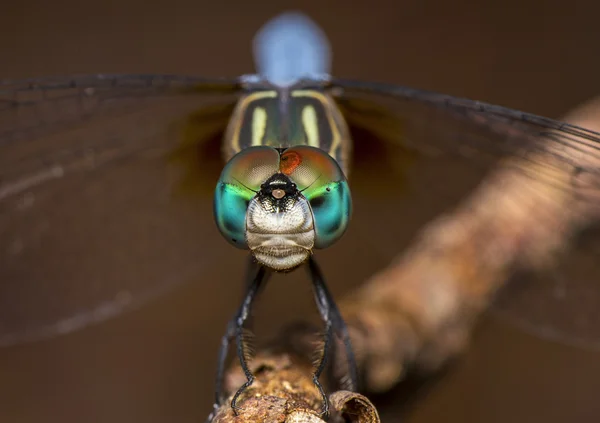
(106, 187)
(106, 194)
(532, 180)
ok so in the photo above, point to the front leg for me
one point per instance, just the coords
(333, 321)
(256, 277)
(242, 316)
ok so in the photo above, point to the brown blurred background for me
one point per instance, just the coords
(156, 364)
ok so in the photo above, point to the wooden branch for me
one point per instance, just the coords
(420, 311)
(283, 391)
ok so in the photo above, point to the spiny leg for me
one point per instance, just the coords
(223, 349)
(336, 320)
(325, 311)
(321, 366)
(256, 276)
(340, 327)
(243, 314)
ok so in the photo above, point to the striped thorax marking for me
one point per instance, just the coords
(286, 118)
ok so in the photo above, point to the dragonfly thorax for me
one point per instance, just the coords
(279, 225)
(282, 118)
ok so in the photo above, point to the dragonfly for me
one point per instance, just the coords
(108, 198)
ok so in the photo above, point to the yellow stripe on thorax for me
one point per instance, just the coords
(238, 119)
(309, 121)
(311, 117)
(259, 125)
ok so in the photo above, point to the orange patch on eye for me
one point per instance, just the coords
(290, 160)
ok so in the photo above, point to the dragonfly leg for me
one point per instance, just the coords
(324, 307)
(256, 276)
(339, 326)
(321, 365)
(333, 320)
(242, 316)
(223, 349)
(342, 330)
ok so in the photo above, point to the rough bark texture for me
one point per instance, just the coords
(283, 391)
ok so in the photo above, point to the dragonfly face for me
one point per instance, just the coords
(280, 203)
(279, 224)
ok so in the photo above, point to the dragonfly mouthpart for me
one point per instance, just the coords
(280, 229)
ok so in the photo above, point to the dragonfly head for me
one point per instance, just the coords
(281, 204)
(280, 228)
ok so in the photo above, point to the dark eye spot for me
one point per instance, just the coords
(317, 202)
(328, 189)
(234, 240)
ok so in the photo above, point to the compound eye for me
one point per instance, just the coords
(240, 180)
(322, 182)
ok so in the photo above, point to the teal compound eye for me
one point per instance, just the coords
(239, 182)
(322, 182)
